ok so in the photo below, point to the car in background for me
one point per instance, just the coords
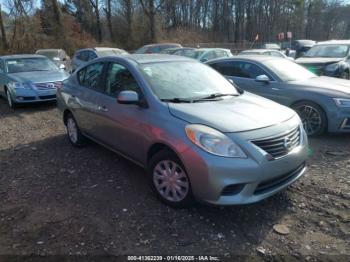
(270, 46)
(197, 135)
(82, 56)
(206, 54)
(329, 58)
(58, 56)
(301, 47)
(156, 48)
(182, 51)
(268, 52)
(323, 103)
(29, 78)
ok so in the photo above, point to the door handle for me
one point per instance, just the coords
(274, 88)
(103, 108)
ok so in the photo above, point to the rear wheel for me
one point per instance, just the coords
(314, 119)
(74, 135)
(10, 102)
(169, 179)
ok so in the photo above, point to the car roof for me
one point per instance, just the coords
(152, 58)
(49, 50)
(261, 50)
(22, 56)
(161, 44)
(334, 42)
(212, 48)
(251, 58)
(98, 49)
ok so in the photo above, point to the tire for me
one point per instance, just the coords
(9, 100)
(345, 75)
(75, 137)
(313, 117)
(174, 192)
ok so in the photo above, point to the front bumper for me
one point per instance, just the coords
(230, 181)
(20, 96)
(339, 121)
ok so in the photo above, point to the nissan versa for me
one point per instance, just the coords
(29, 78)
(198, 136)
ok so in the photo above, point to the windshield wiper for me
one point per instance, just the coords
(213, 96)
(176, 100)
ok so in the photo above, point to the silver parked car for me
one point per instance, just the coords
(29, 78)
(58, 56)
(82, 56)
(197, 135)
(323, 103)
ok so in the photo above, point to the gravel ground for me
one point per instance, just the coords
(60, 200)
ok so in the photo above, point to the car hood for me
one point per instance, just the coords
(236, 114)
(39, 76)
(318, 60)
(327, 83)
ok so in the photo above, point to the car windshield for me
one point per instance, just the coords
(29, 64)
(338, 51)
(185, 80)
(287, 70)
(48, 54)
(111, 52)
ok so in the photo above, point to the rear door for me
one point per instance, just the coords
(86, 96)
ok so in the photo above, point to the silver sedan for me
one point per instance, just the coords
(197, 136)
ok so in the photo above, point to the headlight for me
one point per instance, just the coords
(332, 67)
(342, 102)
(18, 85)
(213, 141)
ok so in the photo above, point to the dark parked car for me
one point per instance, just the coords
(156, 48)
(82, 56)
(301, 47)
(323, 103)
(331, 58)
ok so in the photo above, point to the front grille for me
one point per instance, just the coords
(47, 97)
(47, 86)
(271, 184)
(280, 145)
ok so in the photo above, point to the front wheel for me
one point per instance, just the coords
(10, 102)
(169, 179)
(314, 119)
(345, 75)
(74, 135)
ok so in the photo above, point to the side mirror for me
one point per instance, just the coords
(203, 60)
(62, 66)
(262, 78)
(128, 98)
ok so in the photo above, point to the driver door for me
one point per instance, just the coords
(121, 127)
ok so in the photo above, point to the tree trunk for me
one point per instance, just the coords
(3, 33)
(108, 12)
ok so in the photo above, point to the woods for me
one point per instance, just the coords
(30, 24)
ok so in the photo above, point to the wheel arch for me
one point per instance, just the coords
(313, 102)
(65, 115)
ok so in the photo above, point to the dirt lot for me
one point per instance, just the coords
(56, 199)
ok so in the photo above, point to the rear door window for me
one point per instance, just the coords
(91, 76)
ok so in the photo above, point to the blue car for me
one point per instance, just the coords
(29, 78)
